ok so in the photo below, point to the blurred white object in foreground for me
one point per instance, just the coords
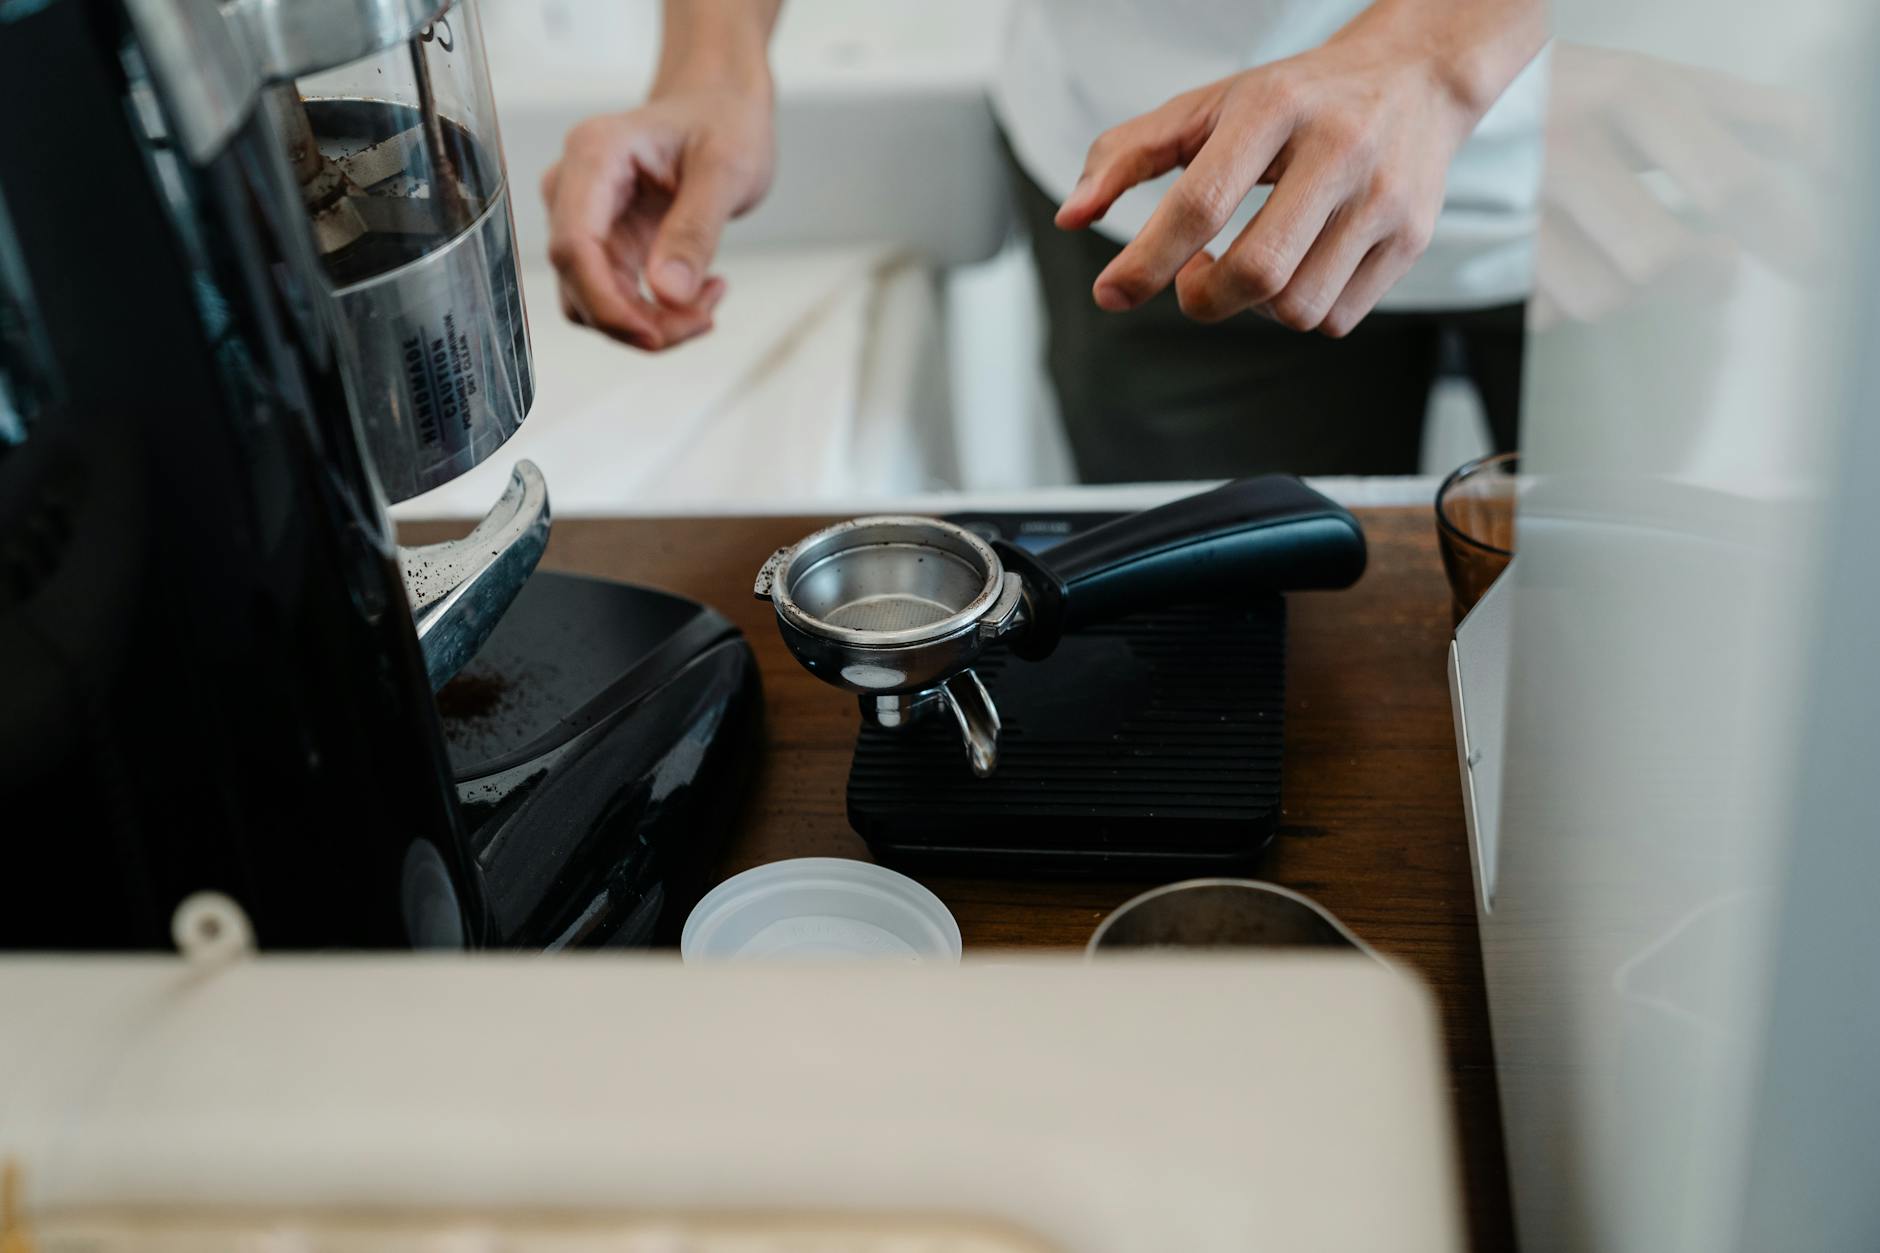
(1675, 874)
(600, 1103)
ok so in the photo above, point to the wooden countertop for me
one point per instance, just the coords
(1372, 819)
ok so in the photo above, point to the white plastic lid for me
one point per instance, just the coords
(818, 908)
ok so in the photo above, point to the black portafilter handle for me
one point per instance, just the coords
(1265, 534)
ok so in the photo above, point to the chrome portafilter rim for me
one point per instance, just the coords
(871, 569)
(790, 567)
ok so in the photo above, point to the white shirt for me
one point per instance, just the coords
(1075, 68)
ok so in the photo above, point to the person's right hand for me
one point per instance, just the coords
(636, 205)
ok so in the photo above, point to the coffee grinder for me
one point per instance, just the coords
(257, 281)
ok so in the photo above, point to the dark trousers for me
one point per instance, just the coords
(1149, 394)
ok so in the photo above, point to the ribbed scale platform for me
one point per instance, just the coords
(1146, 748)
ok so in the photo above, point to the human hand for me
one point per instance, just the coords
(638, 201)
(1355, 136)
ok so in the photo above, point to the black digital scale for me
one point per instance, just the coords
(1149, 747)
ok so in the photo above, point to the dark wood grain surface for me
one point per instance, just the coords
(1372, 821)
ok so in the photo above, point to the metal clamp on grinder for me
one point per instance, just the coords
(899, 609)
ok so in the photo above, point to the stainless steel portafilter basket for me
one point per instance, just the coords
(897, 609)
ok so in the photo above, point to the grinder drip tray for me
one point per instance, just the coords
(1146, 748)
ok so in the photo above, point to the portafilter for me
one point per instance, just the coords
(897, 609)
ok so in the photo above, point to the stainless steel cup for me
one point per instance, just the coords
(1222, 913)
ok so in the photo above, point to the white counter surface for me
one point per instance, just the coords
(1352, 492)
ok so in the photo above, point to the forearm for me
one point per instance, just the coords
(1474, 48)
(717, 43)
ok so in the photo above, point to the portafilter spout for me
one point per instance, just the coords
(898, 609)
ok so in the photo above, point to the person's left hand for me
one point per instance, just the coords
(1356, 137)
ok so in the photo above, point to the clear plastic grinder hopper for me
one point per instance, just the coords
(384, 110)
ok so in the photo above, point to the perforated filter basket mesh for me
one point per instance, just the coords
(896, 612)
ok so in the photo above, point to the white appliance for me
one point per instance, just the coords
(1671, 705)
(601, 1104)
